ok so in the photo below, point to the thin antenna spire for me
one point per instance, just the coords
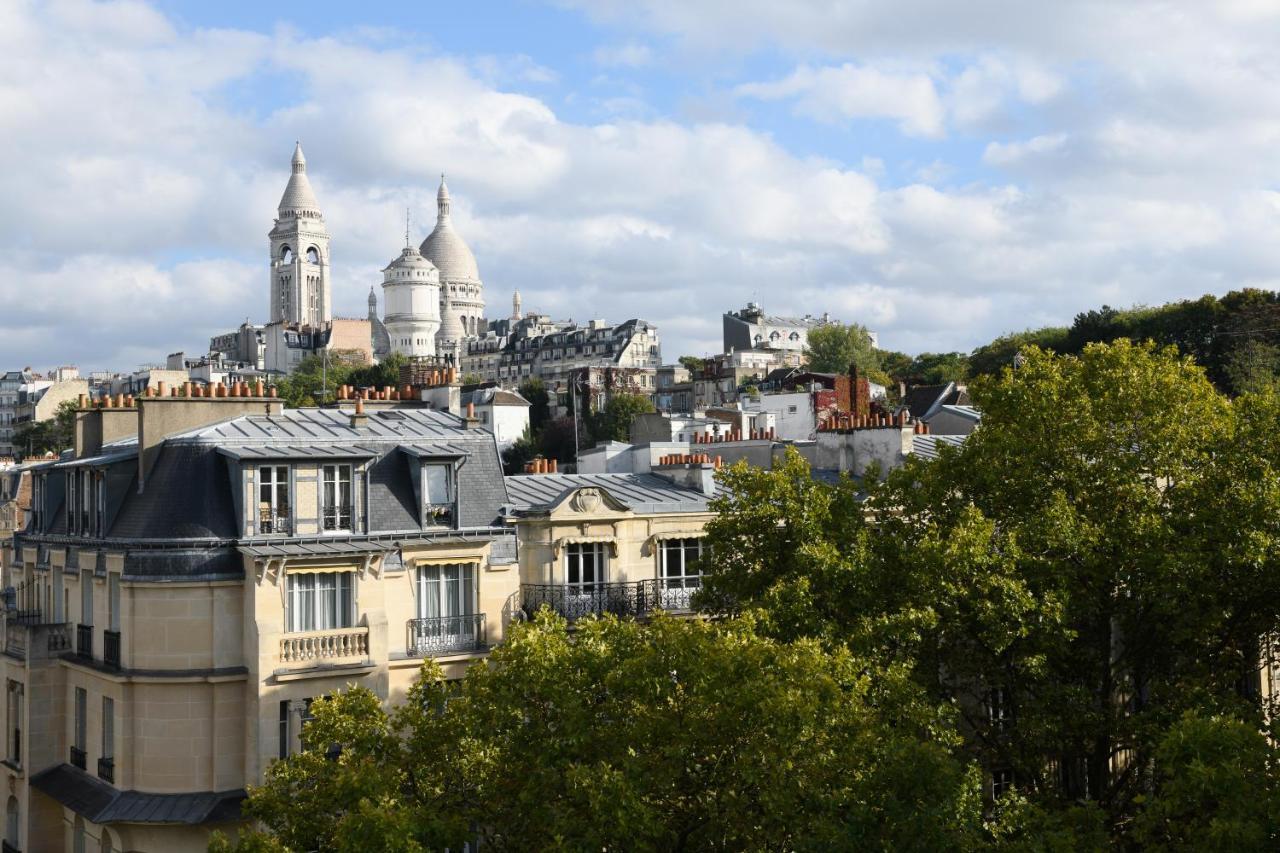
(406, 228)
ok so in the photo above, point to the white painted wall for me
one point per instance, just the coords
(793, 416)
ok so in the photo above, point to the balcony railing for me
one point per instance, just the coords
(59, 637)
(84, 641)
(107, 770)
(111, 649)
(444, 634)
(638, 598)
(275, 521)
(22, 603)
(77, 757)
(336, 518)
(336, 645)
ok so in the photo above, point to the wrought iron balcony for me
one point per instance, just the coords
(445, 634)
(107, 770)
(639, 598)
(22, 603)
(78, 757)
(335, 518)
(84, 641)
(111, 649)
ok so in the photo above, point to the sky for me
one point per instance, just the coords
(940, 172)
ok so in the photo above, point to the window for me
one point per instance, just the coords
(680, 574)
(999, 709)
(313, 257)
(113, 601)
(437, 489)
(319, 601)
(11, 822)
(585, 566)
(81, 733)
(37, 503)
(273, 499)
(56, 596)
(445, 591)
(336, 497)
(107, 757)
(286, 255)
(14, 713)
(294, 715)
(1001, 783)
(791, 410)
(71, 501)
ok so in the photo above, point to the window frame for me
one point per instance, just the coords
(682, 548)
(435, 513)
(574, 553)
(332, 505)
(305, 608)
(276, 517)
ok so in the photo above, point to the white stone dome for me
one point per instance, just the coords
(298, 196)
(446, 249)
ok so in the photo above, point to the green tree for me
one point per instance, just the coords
(54, 435)
(1253, 367)
(1094, 562)
(381, 375)
(930, 368)
(535, 392)
(834, 347)
(990, 359)
(1216, 789)
(672, 735)
(692, 363)
(314, 373)
(556, 440)
(613, 423)
(522, 450)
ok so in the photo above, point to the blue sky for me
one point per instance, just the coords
(940, 172)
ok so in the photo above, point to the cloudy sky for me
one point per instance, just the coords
(942, 172)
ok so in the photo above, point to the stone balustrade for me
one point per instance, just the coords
(336, 645)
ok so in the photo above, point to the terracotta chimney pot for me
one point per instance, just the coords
(555, 466)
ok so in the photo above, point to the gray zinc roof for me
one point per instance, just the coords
(320, 425)
(926, 446)
(643, 493)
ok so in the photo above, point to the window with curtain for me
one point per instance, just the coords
(335, 495)
(82, 715)
(446, 590)
(273, 499)
(113, 601)
(319, 601)
(437, 495)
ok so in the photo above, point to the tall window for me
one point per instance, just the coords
(81, 734)
(14, 713)
(106, 763)
(113, 601)
(87, 495)
(1001, 783)
(86, 598)
(999, 709)
(56, 597)
(585, 566)
(273, 499)
(680, 573)
(336, 497)
(294, 715)
(319, 601)
(71, 501)
(446, 590)
(37, 503)
(437, 493)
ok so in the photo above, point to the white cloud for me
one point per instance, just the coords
(628, 55)
(144, 173)
(857, 92)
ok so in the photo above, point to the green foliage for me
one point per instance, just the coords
(672, 735)
(1216, 789)
(522, 450)
(304, 386)
(535, 392)
(693, 364)
(1235, 338)
(613, 423)
(556, 440)
(384, 373)
(834, 347)
(1100, 550)
(35, 438)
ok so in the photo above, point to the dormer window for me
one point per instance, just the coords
(438, 495)
(337, 505)
(274, 515)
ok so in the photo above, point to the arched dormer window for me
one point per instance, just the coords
(774, 336)
(795, 336)
(313, 256)
(286, 255)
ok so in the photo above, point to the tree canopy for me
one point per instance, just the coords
(672, 735)
(833, 347)
(1090, 566)
(54, 435)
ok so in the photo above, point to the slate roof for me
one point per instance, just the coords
(100, 803)
(926, 446)
(924, 400)
(642, 493)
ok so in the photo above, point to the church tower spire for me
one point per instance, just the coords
(515, 307)
(299, 241)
